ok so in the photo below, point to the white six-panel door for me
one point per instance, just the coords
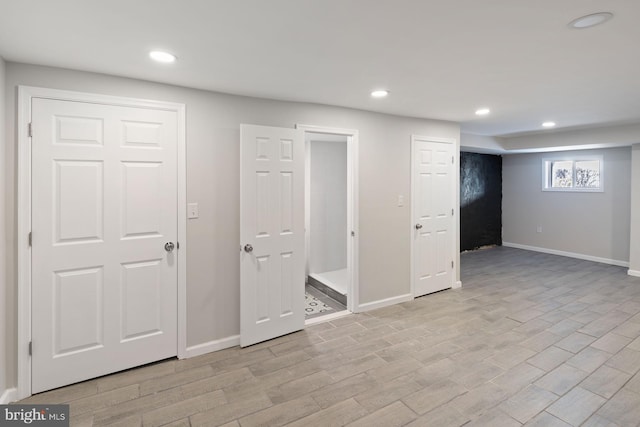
(104, 203)
(432, 214)
(272, 255)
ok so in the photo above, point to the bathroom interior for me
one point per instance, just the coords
(326, 225)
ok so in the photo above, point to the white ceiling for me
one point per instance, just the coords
(440, 59)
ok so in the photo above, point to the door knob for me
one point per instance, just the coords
(248, 248)
(169, 246)
(418, 226)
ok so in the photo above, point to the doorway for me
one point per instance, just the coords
(272, 229)
(331, 226)
(327, 236)
(100, 288)
(432, 232)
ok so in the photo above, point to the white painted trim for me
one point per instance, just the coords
(353, 244)
(456, 216)
(25, 96)
(567, 254)
(9, 395)
(457, 285)
(182, 230)
(353, 201)
(384, 302)
(433, 139)
(307, 207)
(327, 318)
(455, 221)
(211, 346)
(24, 250)
(546, 161)
(634, 273)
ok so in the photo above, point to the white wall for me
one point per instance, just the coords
(328, 210)
(634, 255)
(3, 277)
(213, 121)
(575, 139)
(591, 224)
(481, 144)
(622, 135)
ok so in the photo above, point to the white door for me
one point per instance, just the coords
(432, 205)
(272, 255)
(104, 203)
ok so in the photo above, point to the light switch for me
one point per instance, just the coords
(400, 200)
(192, 211)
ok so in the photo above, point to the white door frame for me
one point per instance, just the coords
(25, 96)
(352, 207)
(455, 182)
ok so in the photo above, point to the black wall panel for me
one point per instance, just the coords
(480, 200)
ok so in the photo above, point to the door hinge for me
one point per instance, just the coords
(452, 161)
(30, 238)
(451, 264)
(451, 212)
(353, 233)
(30, 130)
(30, 348)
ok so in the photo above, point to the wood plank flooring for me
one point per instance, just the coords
(530, 339)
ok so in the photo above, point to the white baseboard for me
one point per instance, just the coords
(568, 254)
(327, 318)
(208, 347)
(384, 302)
(635, 273)
(456, 285)
(9, 395)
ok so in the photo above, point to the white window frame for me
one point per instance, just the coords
(546, 181)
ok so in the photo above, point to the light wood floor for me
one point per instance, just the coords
(530, 338)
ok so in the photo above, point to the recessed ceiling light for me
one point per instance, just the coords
(161, 56)
(482, 111)
(548, 124)
(591, 20)
(379, 93)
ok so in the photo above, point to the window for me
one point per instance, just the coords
(572, 174)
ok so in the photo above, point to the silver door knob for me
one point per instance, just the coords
(248, 248)
(418, 226)
(169, 246)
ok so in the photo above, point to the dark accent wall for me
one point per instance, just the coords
(480, 200)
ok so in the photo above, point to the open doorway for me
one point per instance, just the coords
(273, 246)
(329, 225)
(326, 230)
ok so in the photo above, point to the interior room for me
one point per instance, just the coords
(326, 274)
(321, 212)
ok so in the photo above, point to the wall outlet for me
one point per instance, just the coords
(400, 200)
(539, 229)
(192, 211)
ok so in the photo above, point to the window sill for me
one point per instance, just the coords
(574, 190)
